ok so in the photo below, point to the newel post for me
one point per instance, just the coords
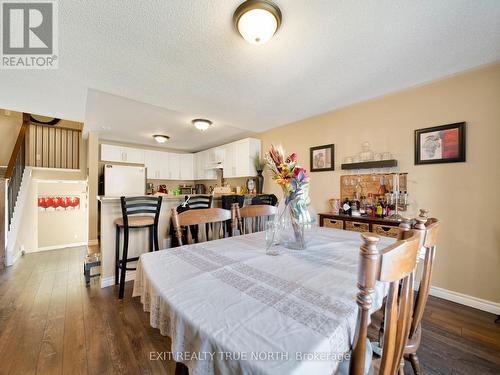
(368, 272)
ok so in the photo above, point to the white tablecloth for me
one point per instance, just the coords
(231, 309)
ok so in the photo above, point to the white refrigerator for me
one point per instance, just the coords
(124, 181)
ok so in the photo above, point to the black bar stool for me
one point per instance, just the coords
(137, 213)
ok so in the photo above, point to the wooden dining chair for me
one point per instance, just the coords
(213, 217)
(430, 228)
(395, 265)
(251, 219)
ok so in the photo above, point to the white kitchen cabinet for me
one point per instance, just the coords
(187, 167)
(157, 164)
(174, 167)
(230, 162)
(121, 154)
(240, 156)
(203, 166)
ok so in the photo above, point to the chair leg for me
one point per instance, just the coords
(181, 369)
(123, 264)
(117, 254)
(415, 363)
(87, 275)
(155, 237)
(151, 238)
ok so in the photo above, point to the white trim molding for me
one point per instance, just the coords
(57, 247)
(110, 280)
(12, 246)
(464, 299)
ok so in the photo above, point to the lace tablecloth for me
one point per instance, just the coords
(231, 309)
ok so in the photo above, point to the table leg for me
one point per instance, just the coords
(181, 369)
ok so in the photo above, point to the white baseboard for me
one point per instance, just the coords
(464, 299)
(93, 242)
(57, 247)
(110, 280)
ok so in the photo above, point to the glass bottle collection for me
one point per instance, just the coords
(374, 205)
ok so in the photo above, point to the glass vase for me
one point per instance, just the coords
(294, 219)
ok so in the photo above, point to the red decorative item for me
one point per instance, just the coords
(57, 202)
(49, 202)
(65, 202)
(74, 202)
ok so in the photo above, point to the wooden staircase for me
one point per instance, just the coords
(2, 217)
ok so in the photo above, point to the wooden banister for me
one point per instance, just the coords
(20, 140)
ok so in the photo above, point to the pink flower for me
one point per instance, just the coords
(293, 157)
(297, 170)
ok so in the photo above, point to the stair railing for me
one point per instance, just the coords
(15, 168)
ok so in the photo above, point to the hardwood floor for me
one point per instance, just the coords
(51, 324)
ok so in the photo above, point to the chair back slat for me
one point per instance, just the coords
(210, 222)
(396, 265)
(251, 219)
(196, 202)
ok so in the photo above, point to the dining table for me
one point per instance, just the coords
(231, 309)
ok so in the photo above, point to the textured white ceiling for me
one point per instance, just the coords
(125, 120)
(184, 55)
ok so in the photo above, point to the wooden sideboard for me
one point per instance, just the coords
(382, 227)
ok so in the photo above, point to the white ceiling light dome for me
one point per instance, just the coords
(160, 138)
(201, 124)
(257, 20)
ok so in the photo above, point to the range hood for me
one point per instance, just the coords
(215, 165)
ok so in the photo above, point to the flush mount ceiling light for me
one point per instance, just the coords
(201, 124)
(257, 20)
(161, 138)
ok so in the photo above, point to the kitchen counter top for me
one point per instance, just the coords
(180, 197)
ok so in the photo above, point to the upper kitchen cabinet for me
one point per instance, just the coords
(202, 167)
(156, 164)
(187, 166)
(240, 155)
(121, 154)
(174, 167)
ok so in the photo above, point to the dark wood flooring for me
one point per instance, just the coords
(51, 324)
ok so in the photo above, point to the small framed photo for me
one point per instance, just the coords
(322, 158)
(440, 144)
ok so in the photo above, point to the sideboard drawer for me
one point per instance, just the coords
(386, 230)
(357, 227)
(333, 223)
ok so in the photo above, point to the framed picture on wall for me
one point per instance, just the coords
(322, 158)
(440, 144)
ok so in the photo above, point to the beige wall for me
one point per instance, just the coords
(61, 228)
(9, 130)
(463, 195)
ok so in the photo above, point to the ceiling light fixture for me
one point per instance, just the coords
(257, 20)
(161, 138)
(201, 124)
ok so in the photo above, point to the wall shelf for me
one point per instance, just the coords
(371, 164)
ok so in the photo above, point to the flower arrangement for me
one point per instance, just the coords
(294, 181)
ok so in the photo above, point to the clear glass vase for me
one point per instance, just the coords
(293, 220)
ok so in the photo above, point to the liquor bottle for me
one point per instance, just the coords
(379, 211)
(347, 207)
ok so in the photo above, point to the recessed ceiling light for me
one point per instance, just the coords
(201, 124)
(161, 138)
(257, 20)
